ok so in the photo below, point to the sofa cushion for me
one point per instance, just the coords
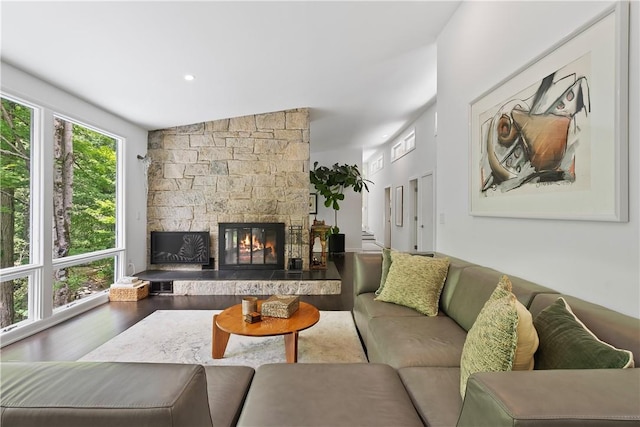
(475, 285)
(103, 394)
(415, 281)
(365, 308)
(492, 340)
(566, 343)
(366, 272)
(386, 265)
(318, 394)
(456, 266)
(435, 393)
(367, 304)
(227, 387)
(416, 341)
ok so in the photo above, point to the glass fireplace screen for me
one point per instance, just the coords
(251, 246)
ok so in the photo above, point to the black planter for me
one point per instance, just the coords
(336, 243)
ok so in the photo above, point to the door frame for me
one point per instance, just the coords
(431, 173)
(386, 217)
(414, 211)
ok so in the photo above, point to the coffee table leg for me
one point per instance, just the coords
(291, 347)
(219, 340)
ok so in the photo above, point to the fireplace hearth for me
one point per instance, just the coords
(251, 246)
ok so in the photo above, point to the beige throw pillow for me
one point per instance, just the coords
(492, 342)
(527, 340)
(415, 281)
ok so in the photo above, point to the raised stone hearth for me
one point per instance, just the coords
(249, 282)
(257, 287)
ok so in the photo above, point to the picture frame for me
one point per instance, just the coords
(313, 203)
(551, 140)
(399, 203)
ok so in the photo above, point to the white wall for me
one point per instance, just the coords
(350, 213)
(483, 43)
(411, 166)
(31, 89)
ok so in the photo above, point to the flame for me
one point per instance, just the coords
(249, 244)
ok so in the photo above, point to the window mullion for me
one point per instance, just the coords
(43, 291)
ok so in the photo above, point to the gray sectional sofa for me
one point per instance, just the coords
(426, 351)
(413, 378)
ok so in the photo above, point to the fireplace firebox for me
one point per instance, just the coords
(251, 246)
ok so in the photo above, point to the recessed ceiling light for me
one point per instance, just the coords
(189, 77)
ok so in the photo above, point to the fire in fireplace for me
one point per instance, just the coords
(251, 246)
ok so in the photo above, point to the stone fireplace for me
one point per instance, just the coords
(250, 169)
(251, 246)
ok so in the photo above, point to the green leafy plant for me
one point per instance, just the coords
(330, 182)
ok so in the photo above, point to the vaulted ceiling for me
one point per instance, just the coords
(365, 69)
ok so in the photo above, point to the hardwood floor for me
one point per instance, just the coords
(75, 337)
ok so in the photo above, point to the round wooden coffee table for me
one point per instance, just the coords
(231, 321)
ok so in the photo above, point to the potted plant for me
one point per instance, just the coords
(331, 182)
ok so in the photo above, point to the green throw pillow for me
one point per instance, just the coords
(415, 281)
(491, 342)
(386, 264)
(566, 343)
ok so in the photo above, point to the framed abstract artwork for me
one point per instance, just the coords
(550, 141)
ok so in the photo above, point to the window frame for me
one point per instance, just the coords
(39, 271)
(376, 165)
(403, 147)
(30, 270)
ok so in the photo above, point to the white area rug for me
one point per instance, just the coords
(184, 336)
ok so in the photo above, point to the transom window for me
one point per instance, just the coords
(376, 165)
(404, 146)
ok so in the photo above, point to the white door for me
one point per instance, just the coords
(413, 213)
(426, 217)
(365, 211)
(387, 217)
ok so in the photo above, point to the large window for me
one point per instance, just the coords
(61, 241)
(84, 209)
(15, 210)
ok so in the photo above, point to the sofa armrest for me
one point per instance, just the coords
(80, 394)
(367, 272)
(579, 397)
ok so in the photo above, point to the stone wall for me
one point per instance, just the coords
(243, 169)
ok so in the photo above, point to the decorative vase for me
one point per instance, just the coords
(336, 243)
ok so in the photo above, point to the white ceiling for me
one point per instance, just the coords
(365, 69)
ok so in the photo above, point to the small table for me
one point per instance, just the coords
(231, 321)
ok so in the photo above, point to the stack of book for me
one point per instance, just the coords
(129, 289)
(127, 282)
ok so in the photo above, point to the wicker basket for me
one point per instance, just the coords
(117, 293)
